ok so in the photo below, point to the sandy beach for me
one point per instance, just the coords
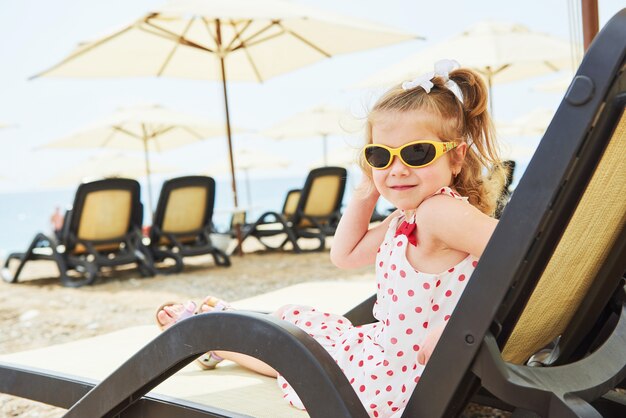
(40, 312)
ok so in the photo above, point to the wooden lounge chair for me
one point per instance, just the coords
(182, 222)
(553, 266)
(312, 212)
(103, 229)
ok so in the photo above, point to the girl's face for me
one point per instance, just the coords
(403, 186)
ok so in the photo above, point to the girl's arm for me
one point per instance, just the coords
(354, 245)
(458, 225)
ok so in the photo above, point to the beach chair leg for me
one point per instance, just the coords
(40, 241)
(293, 238)
(145, 262)
(220, 258)
(162, 255)
(7, 276)
(87, 270)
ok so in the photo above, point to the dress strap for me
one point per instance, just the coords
(449, 192)
(405, 223)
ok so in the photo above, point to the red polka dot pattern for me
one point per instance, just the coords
(380, 359)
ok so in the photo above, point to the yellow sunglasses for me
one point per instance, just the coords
(414, 154)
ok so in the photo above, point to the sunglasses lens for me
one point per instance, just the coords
(377, 157)
(418, 154)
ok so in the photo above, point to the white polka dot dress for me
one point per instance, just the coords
(380, 359)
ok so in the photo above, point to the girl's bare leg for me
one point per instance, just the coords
(248, 362)
(168, 315)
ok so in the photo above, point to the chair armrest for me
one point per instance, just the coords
(311, 371)
(266, 218)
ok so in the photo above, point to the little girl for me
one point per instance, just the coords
(430, 152)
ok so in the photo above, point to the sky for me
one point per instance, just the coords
(37, 34)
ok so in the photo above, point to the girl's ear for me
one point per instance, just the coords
(459, 156)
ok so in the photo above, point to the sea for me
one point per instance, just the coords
(24, 214)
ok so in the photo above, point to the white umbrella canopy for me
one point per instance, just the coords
(238, 40)
(343, 156)
(148, 127)
(321, 121)
(534, 123)
(144, 128)
(500, 51)
(104, 166)
(558, 85)
(521, 136)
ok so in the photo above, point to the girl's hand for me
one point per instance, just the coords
(429, 345)
(366, 188)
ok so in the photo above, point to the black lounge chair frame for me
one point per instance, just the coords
(178, 245)
(126, 249)
(502, 283)
(291, 224)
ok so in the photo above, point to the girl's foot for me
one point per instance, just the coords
(170, 313)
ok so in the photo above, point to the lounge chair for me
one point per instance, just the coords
(103, 229)
(312, 212)
(552, 268)
(182, 222)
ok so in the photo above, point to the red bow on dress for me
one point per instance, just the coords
(409, 230)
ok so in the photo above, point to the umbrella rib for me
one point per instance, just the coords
(551, 66)
(108, 138)
(252, 64)
(250, 40)
(237, 36)
(84, 51)
(304, 40)
(161, 132)
(127, 132)
(146, 136)
(192, 132)
(174, 49)
(243, 44)
(238, 33)
(499, 70)
(174, 36)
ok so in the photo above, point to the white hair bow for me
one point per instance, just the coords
(443, 68)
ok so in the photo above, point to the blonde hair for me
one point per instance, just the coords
(482, 175)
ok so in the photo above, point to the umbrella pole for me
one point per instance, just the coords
(325, 145)
(248, 192)
(229, 136)
(490, 84)
(145, 151)
(590, 21)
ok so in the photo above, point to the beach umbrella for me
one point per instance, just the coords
(247, 160)
(500, 51)
(225, 40)
(146, 128)
(320, 121)
(558, 85)
(533, 123)
(105, 166)
(343, 156)
(520, 136)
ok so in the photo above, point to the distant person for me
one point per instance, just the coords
(56, 222)
(428, 143)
